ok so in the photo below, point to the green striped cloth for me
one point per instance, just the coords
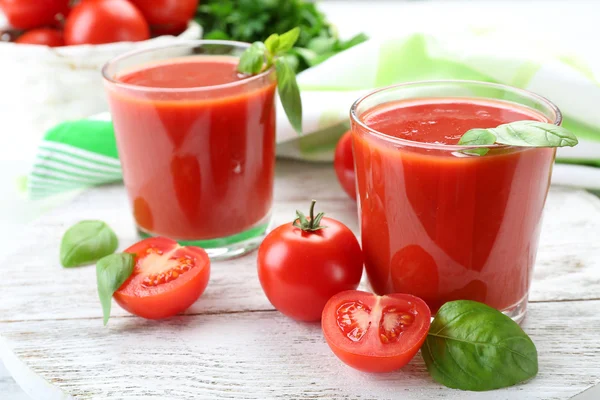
(83, 153)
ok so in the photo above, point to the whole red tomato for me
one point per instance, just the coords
(344, 165)
(28, 14)
(375, 333)
(105, 21)
(42, 36)
(167, 12)
(302, 264)
(166, 280)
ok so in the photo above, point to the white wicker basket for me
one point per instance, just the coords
(41, 86)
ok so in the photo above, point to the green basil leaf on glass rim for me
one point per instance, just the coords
(272, 43)
(472, 346)
(111, 272)
(477, 137)
(519, 133)
(287, 40)
(261, 56)
(289, 93)
(86, 242)
(252, 60)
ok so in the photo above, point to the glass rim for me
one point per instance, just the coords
(181, 43)
(440, 146)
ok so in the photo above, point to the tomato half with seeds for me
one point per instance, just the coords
(166, 280)
(375, 333)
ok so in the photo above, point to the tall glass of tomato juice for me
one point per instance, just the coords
(437, 220)
(197, 143)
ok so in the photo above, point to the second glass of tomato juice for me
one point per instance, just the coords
(438, 220)
(196, 142)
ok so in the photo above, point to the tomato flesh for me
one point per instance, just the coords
(375, 333)
(167, 278)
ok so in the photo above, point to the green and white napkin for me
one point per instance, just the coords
(83, 153)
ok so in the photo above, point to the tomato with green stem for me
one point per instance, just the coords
(167, 278)
(344, 165)
(303, 263)
(375, 333)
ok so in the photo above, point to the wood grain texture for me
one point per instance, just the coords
(263, 355)
(231, 344)
(36, 287)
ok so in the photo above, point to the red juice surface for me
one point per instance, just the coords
(198, 163)
(440, 224)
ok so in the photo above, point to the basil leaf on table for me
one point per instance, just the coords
(289, 93)
(472, 346)
(86, 242)
(111, 272)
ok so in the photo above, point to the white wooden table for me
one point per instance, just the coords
(232, 344)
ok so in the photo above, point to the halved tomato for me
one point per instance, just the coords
(375, 333)
(166, 280)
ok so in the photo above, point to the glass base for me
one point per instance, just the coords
(517, 312)
(226, 247)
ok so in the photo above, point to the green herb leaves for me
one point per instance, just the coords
(111, 272)
(87, 242)
(472, 346)
(519, 133)
(260, 57)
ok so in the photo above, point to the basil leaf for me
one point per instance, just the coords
(355, 40)
(252, 60)
(477, 137)
(534, 134)
(289, 93)
(86, 242)
(111, 272)
(272, 43)
(287, 40)
(472, 346)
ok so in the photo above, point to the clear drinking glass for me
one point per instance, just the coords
(198, 161)
(440, 222)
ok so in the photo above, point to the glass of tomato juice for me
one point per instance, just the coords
(197, 143)
(437, 220)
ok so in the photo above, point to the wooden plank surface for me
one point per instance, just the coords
(232, 344)
(568, 255)
(264, 355)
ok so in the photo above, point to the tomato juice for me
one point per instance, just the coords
(197, 145)
(440, 223)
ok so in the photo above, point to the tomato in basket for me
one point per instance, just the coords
(28, 14)
(105, 21)
(42, 36)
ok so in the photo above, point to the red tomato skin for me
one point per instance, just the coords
(299, 271)
(29, 14)
(168, 299)
(42, 36)
(368, 360)
(344, 165)
(105, 21)
(167, 12)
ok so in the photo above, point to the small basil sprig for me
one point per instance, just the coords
(519, 133)
(87, 242)
(261, 56)
(111, 272)
(472, 346)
